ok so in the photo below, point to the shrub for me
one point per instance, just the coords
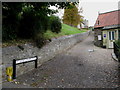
(39, 40)
(10, 27)
(8, 34)
(26, 25)
(31, 24)
(55, 24)
(10, 20)
(118, 42)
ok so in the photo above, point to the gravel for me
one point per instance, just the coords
(78, 67)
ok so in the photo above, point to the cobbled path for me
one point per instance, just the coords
(78, 67)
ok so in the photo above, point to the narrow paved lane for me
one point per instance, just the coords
(77, 68)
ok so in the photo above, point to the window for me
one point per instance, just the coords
(111, 35)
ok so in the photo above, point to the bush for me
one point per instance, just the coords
(10, 27)
(26, 25)
(55, 24)
(32, 24)
(118, 42)
(40, 40)
(8, 34)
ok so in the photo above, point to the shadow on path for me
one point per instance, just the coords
(77, 68)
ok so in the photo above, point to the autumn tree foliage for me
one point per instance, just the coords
(71, 16)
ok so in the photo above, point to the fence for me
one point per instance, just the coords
(117, 51)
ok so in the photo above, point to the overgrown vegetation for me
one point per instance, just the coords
(118, 42)
(30, 21)
(48, 35)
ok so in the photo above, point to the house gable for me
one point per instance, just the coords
(108, 20)
(108, 27)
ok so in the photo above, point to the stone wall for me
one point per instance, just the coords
(44, 54)
(97, 42)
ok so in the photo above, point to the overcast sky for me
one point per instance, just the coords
(92, 7)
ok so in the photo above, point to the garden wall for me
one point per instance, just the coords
(44, 54)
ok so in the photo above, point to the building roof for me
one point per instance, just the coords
(108, 19)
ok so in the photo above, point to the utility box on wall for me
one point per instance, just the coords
(99, 37)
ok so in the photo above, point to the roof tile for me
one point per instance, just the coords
(108, 19)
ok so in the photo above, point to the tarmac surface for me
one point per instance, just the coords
(82, 66)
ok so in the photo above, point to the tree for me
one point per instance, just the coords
(27, 17)
(81, 21)
(71, 16)
(34, 20)
(81, 18)
(10, 20)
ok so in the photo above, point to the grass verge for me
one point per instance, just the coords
(66, 30)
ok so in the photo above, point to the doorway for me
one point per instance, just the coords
(111, 39)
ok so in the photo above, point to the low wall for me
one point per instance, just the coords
(44, 54)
